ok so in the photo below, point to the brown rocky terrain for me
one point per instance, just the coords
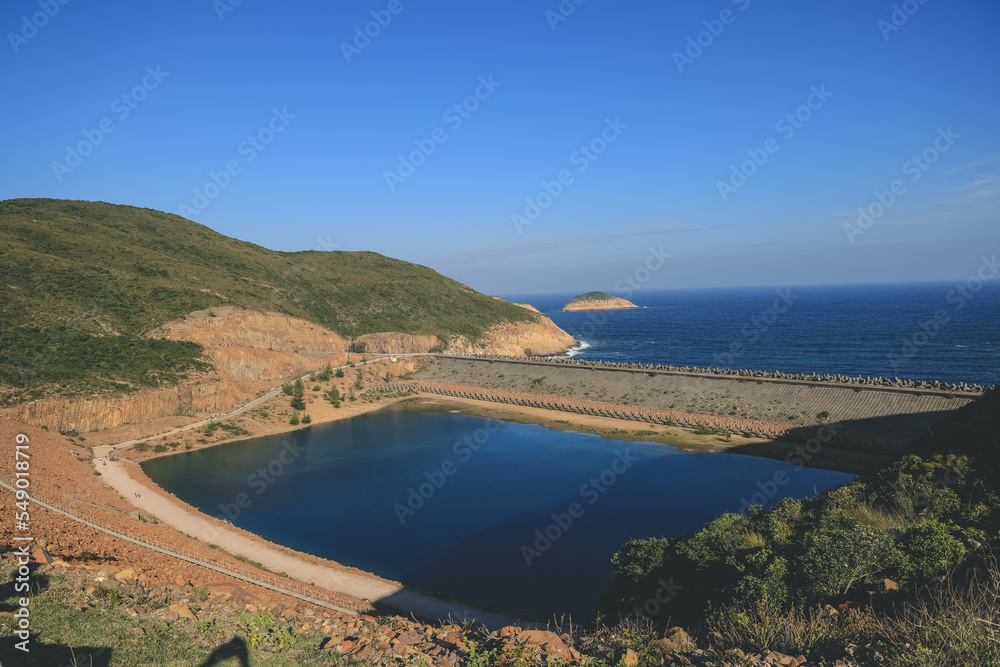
(250, 353)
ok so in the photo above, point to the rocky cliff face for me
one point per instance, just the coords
(251, 351)
(109, 411)
(519, 339)
(398, 343)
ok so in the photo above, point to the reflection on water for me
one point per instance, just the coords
(512, 515)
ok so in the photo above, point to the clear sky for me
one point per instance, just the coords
(646, 111)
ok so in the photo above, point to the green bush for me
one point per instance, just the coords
(637, 559)
(294, 419)
(926, 551)
(839, 553)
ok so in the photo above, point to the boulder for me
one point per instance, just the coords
(128, 575)
(182, 611)
(548, 641)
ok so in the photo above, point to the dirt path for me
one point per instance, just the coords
(196, 525)
(159, 504)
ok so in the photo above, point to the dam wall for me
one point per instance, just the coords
(863, 414)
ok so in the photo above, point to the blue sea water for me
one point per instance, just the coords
(450, 503)
(921, 332)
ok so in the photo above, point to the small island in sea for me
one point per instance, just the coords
(597, 301)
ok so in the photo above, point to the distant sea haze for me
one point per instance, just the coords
(947, 331)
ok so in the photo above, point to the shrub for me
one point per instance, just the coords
(839, 553)
(294, 419)
(926, 551)
(638, 558)
(306, 419)
(340, 372)
(702, 428)
(715, 542)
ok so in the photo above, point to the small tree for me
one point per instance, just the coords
(333, 395)
(358, 383)
(295, 419)
(298, 395)
(340, 372)
(306, 419)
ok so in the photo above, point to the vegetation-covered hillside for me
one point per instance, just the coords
(590, 296)
(765, 580)
(72, 268)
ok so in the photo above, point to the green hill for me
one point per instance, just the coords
(590, 296)
(75, 268)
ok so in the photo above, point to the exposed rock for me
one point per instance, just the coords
(182, 611)
(597, 301)
(548, 641)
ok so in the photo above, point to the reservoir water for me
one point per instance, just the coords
(514, 516)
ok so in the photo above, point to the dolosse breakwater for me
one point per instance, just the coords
(773, 407)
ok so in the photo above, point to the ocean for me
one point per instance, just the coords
(941, 331)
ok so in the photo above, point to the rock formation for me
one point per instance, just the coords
(597, 301)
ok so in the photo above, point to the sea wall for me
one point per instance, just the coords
(887, 416)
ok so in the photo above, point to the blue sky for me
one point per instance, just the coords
(642, 137)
